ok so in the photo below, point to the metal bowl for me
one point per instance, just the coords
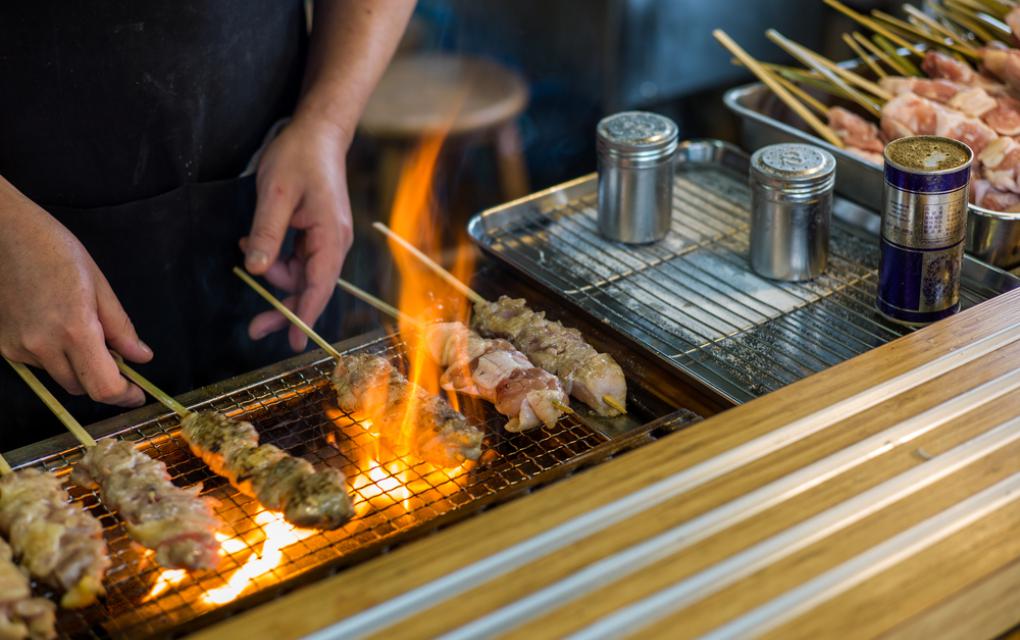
(992, 236)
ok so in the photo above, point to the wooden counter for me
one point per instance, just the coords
(881, 496)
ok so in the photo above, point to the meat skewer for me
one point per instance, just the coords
(370, 385)
(21, 614)
(58, 543)
(593, 378)
(173, 521)
(490, 369)
(307, 497)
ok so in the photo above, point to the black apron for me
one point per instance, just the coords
(130, 121)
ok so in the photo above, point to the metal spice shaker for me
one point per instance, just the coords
(791, 206)
(636, 150)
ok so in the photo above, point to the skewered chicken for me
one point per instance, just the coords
(281, 482)
(860, 136)
(173, 521)
(369, 385)
(586, 374)
(497, 372)
(21, 615)
(57, 543)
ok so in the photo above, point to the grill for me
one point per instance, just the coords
(691, 298)
(292, 407)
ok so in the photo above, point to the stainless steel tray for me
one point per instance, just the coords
(691, 299)
(992, 236)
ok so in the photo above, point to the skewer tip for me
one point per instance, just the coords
(612, 402)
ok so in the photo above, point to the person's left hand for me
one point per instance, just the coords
(301, 183)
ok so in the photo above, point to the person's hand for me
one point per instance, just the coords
(302, 184)
(57, 311)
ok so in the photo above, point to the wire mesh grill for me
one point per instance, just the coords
(691, 297)
(296, 411)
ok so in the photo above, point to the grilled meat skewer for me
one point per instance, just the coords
(369, 385)
(173, 521)
(21, 614)
(57, 543)
(497, 372)
(307, 497)
(586, 374)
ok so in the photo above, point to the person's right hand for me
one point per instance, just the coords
(57, 311)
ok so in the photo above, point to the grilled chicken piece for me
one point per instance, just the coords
(586, 374)
(21, 614)
(369, 385)
(58, 543)
(281, 482)
(173, 521)
(497, 372)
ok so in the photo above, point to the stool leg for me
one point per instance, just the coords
(513, 171)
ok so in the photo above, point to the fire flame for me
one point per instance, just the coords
(274, 533)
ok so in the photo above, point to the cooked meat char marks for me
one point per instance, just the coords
(57, 542)
(21, 614)
(586, 374)
(368, 385)
(494, 370)
(175, 522)
(307, 497)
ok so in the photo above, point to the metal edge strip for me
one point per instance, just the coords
(387, 613)
(644, 554)
(872, 562)
(798, 537)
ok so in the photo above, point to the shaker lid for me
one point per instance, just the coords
(792, 162)
(637, 131)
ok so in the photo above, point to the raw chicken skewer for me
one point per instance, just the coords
(369, 385)
(490, 369)
(174, 522)
(593, 378)
(57, 542)
(21, 614)
(279, 481)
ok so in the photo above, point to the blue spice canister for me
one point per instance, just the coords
(924, 225)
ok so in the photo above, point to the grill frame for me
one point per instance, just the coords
(257, 396)
(552, 238)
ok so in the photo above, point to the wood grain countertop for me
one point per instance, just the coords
(880, 497)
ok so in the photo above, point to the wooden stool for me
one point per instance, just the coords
(425, 94)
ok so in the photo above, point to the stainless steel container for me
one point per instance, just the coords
(635, 163)
(992, 236)
(791, 205)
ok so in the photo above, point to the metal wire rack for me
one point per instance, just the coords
(394, 497)
(691, 298)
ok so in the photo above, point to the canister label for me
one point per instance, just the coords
(924, 225)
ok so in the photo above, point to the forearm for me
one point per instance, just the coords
(352, 42)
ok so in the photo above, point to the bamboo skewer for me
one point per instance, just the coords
(287, 313)
(54, 405)
(918, 32)
(388, 309)
(977, 14)
(803, 96)
(151, 388)
(964, 21)
(934, 25)
(876, 51)
(448, 277)
(471, 294)
(807, 58)
(867, 59)
(890, 48)
(845, 74)
(766, 76)
(873, 25)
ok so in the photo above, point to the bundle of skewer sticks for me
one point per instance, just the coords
(473, 296)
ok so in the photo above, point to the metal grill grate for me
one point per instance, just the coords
(691, 297)
(296, 412)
